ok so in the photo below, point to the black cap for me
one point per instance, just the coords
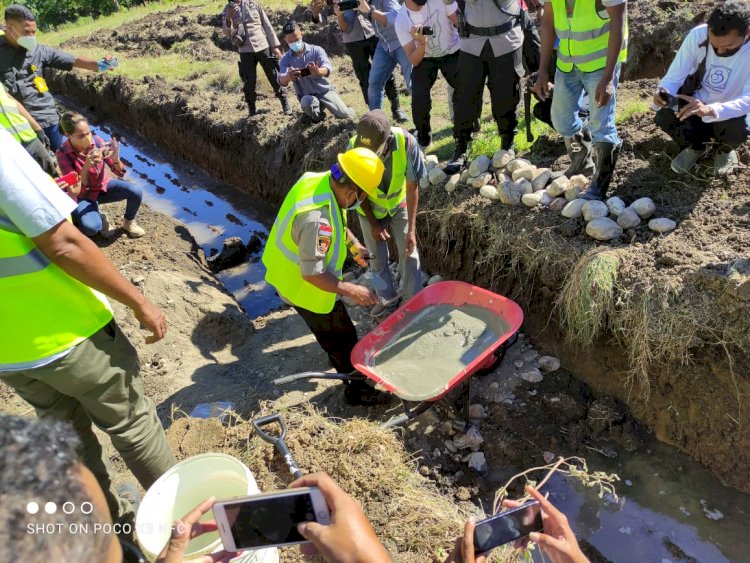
(373, 130)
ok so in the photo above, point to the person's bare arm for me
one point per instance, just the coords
(81, 259)
(605, 90)
(329, 283)
(416, 48)
(86, 63)
(412, 203)
(548, 35)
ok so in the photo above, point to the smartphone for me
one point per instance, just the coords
(304, 72)
(348, 5)
(507, 526)
(427, 30)
(71, 178)
(673, 102)
(269, 520)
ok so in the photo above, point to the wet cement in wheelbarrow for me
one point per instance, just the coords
(434, 346)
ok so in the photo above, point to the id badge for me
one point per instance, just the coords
(41, 85)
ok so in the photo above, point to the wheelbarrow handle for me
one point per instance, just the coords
(313, 375)
(277, 441)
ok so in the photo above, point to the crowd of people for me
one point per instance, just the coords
(64, 353)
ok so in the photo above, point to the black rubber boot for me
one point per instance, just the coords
(458, 161)
(507, 143)
(398, 115)
(580, 149)
(285, 105)
(606, 159)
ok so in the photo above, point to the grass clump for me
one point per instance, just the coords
(587, 299)
(412, 519)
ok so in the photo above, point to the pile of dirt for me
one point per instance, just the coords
(410, 516)
(675, 319)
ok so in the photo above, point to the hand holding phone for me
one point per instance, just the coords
(269, 520)
(349, 531)
(304, 72)
(672, 102)
(427, 30)
(508, 526)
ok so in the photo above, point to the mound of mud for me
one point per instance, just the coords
(413, 520)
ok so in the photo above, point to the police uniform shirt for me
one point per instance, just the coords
(312, 232)
(19, 68)
(485, 13)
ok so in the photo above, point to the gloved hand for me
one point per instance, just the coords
(42, 136)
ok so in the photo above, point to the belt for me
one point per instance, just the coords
(497, 30)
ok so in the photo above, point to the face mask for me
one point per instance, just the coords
(356, 205)
(296, 46)
(729, 53)
(26, 42)
(420, 2)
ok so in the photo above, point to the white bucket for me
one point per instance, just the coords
(180, 490)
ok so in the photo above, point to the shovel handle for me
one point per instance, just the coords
(277, 441)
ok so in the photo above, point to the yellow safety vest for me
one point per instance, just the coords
(281, 256)
(43, 310)
(584, 38)
(11, 119)
(387, 203)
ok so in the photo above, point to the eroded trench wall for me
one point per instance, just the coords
(694, 407)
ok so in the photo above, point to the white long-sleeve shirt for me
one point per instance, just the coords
(726, 84)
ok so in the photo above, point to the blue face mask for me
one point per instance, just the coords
(296, 46)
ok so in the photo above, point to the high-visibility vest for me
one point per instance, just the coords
(43, 310)
(387, 203)
(584, 38)
(281, 256)
(12, 120)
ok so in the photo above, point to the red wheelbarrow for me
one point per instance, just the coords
(434, 368)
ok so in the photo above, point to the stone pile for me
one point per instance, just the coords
(516, 181)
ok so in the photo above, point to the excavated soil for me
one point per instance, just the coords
(676, 326)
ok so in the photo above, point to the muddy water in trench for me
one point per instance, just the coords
(212, 212)
(671, 508)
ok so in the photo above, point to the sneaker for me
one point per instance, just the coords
(458, 161)
(133, 229)
(106, 231)
(684, 162)
(725, 162)
(399, 116)
(285, 109)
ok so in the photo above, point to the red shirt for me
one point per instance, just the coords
(99, 175)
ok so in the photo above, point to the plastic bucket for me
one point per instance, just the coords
(182, 488)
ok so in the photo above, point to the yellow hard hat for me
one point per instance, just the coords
(363, 167)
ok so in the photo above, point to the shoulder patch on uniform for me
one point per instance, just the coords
(325, 232)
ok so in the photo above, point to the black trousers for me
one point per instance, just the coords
(269, 63)
(361, 53)
(423, 78)
(503, 79)
(695, 133)
(335, 333)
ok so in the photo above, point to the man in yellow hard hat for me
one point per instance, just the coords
(306, 250)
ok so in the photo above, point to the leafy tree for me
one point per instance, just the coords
(51, 13)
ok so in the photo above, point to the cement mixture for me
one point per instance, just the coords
(434, 346)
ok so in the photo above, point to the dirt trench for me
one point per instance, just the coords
(685, 303)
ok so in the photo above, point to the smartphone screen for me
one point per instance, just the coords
(507, 526)
(269, 521)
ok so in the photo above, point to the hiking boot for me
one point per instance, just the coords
(106, 231)
(725, 162)
(251, 109)
(458, 161)
(399, 116)
(133, 229)
(606, 158)
(285, 109)
(579, 148)
(684, 162)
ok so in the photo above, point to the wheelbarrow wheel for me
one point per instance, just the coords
(495, 359)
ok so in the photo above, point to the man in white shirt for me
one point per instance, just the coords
(710, 78)
(427, 31)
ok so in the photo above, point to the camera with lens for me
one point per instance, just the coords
(427, 30)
